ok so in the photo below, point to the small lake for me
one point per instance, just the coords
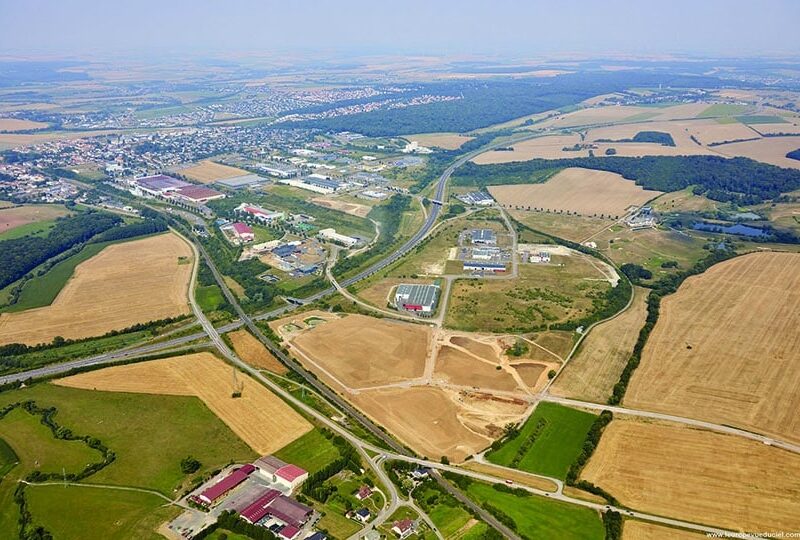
(742, 230)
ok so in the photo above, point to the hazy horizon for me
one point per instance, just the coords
(512, 29)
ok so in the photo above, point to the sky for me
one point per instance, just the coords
(513, 29)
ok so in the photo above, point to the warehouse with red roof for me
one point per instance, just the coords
(213, 493)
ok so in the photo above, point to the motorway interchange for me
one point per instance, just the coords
(371, 454)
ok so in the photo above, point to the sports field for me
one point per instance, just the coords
(254, 353)
(699, 476)
(359, 351)
(735, 360)
(549, 441)
(258, 417)
(127, 283)
(448, 141)
(17, 217)
(586, 192)
(207, 172)
(595, 368)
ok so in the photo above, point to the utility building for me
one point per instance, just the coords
(419, 299)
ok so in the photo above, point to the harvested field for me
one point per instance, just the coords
(699, 476)
(642, 530)
(447, 141)
(584, 191)
(774, 129)
(15, 124)
(435, 422)
(769, 150)
(600, 115)
(254, 353)
(359, 351)
(207, 172)
(16, 216)
(462, 369)
(354, 209)
(679, 131)
(735, 360)
(570, 227)
(594, 370)
(710, 132)
(530, 372)
(520, 477)
(258, 417)
(479, 349)
(559, 342)
(550, 147)
(127, 283)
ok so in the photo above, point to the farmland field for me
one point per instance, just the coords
(35, 216)
(734, 361)
(595, 368)
(569, 227)
(642, 530)
(537, 517)
(144, 276)
(16, 124)
(207, 172)
(547, 443)
(584, 191)
(699, 476)
(260, 418)
(360, 351)
(448, 141)
(254, 353)
(769, 150)
(549, 147)
(312, 451)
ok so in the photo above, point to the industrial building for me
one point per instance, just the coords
(261, 214)
(156, 185)
(476, 198)
(481, 266)
(416, 298)
(332, 236)
(274, 505)
(486, 237)
(196, 194)
(238, 233)
(278, 170)
(240, 182)
(541, 257)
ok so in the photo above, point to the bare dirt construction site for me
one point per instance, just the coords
(15, 124)
(208, 171)
(259, 417)
(354, 209)
(127, 283)
(16, 216)
(359, 351)
(734, 361)
(697, 475)
(440, 397)
(587, 192)
(595, 368)
(254, 353)
(447, 141)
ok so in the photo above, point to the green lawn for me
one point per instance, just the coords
(558, 434)
(37, 228)
(78, 512)
(312, 451)
(449, 519)
(209, 298)
(538, 517)
(150, 434)
(265, 234)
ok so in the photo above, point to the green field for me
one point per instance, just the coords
(209, 298)
(549, 441)
(723, 109)
(312, 451)
(538, 517)
(761, 119)
(77, 512)
(8, 458)
(38, 228)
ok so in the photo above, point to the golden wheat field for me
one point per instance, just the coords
(697, 475)
(208, 172)
(735, 361)
(447, 141)
(127, 283)
(259, 417)
(15, 124)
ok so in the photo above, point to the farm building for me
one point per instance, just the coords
(272, 504)
(420, 299)
(289, 532)
(197, 194)
(481, 266)
(291, 476)
(224, 486)
(332, 236)
(476, 198)
(268, 465)
(403, 528)
(486, 237)
(261, 214)
(259, 509)
(156, 185)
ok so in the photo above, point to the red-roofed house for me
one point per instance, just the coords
(291, 476)
(212, 494)
(403, 527)
(364, 492)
